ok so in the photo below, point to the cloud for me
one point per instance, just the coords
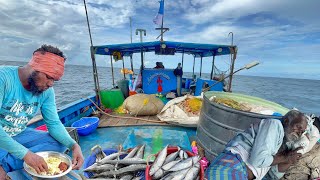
(278, 33)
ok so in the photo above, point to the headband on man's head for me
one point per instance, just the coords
(48, 63)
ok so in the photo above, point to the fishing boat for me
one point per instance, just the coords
(128, 131)
(113, 131)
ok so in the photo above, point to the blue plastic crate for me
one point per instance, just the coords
(86, 125)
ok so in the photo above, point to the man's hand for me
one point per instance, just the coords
(293, 156)
(36, 162)
(77, 157)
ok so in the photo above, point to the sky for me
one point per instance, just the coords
(284, 36)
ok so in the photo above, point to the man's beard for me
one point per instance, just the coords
(290, 139)
(34, 89)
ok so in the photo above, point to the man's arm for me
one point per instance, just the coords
(58, 131)
(267, 142)
(6, 142)
(51, 118)
(12, 146)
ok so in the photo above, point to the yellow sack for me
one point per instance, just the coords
(143, 105)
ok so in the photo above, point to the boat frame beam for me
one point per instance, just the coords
(112, 71)
(200, 66)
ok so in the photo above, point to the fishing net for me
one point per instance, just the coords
(244, 106)
(219, 74)
(192, 106)
(183, 111)
(231, 103)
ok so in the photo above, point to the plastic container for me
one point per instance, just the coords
(86, 125)
(169, 151)
(111, 98)
(124, 87)
(92, 159)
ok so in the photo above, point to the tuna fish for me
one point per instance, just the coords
(169, 165)
(158, 162)
(126, 161)
(159, 174)
(173, 174)
(193, 172)
(110, 157)
(131, 168)
(132, 153)
(140, 153)
(172, 156)
(99, 168)
(187, 163)
(126, 177)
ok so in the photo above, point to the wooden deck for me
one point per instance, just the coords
(107, 121)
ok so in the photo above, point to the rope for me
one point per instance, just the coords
(123, 117)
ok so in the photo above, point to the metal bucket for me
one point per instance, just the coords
(219, 123)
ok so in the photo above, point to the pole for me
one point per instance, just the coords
(182, 59)
(141, 40)
(200, 66)
(93, 60)
(131, 61)
(194, 61)
(112, 71)
(124, 74)
(232, 64)
(213, 57)
(162, 25)
(130, 29)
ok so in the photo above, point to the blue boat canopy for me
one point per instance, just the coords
(170, 47)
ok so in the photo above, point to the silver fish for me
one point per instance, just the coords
(136, 178)
(101, 179)
(131, 168)
(98, 152)
(173, 174)
(193, 172)
(183, 154)
(180, 176)
(159, 174)
(110, 157)
(140, 153)
(172, 156)
(126, 161)
(158, 162)
(98, 168)
(169, 165)
(132, 153)
(126, 177)
(187, 163)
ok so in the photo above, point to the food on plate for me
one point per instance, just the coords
(55, 166)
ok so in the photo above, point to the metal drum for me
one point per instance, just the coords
(219, 123)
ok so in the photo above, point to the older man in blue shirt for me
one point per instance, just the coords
(252, 153)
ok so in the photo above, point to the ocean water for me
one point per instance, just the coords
(77, 82)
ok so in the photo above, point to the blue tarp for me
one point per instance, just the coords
(198, 50)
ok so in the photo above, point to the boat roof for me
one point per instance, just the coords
(196, 49)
